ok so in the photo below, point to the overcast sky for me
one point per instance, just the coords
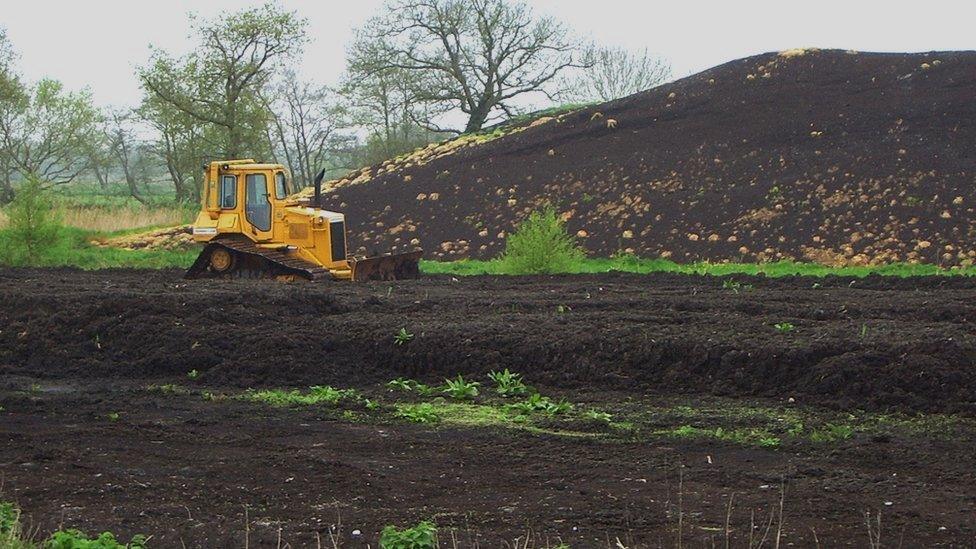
(98, 43)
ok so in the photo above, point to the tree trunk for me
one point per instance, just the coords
(477, 119)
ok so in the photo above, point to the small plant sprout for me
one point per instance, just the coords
(563, 309)
(784, 327)
(735, 286)
(508, 384)
(193, 374)
(459, 389)
(864, 331)
(402, 337)
(113, 416)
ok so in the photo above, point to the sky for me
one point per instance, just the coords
(98, 43)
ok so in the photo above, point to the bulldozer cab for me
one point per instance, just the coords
(245, 197)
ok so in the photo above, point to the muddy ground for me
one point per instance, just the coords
(90, 440)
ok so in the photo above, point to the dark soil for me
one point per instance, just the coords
(877, 343)
(831, 156)
(76, 347)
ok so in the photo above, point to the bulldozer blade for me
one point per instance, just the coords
(387, 267)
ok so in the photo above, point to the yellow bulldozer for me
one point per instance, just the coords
(255, 226)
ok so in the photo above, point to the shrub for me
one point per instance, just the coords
(541, 245)
(32, 227)
(421, 536)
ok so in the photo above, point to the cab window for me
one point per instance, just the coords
(228, 192)
(281, 186)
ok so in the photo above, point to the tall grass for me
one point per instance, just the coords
(110, 219)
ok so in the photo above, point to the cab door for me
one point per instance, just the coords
(258, 205)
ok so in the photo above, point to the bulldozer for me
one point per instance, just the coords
(255, 226)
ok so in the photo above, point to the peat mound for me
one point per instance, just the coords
(836, 157)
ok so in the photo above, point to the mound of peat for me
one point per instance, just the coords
(829, 156)
(855, 343)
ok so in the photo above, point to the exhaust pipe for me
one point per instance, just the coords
(318, 189)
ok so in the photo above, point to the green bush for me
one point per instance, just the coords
(541, 245)
(33, 228)
(421, 536)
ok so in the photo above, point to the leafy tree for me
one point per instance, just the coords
(611, 73)
(32, 226)
(12, 98)
(45, 131)
(541, 245)
(219, 83)
(475, 56)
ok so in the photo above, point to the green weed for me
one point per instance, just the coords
(314, 395)
(597, 415)
(508, 384)
(421, 536)
(192, 374)
(539, 403)
(736, 286)
(410, 386)
(784, 327)
(417, 413)
(832, 433)
(76, 539)
(752, 437)
(113, 416)
(9, 517)
(402, 337)
(459, 389)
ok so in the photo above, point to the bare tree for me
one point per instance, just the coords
(386, 104)
(306, 127)
(475, 56)
(179, 143)
(123, 146)
(612, 73)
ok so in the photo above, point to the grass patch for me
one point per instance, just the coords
(832, 433)
(630, 264)
(750, 437)
(73, 248)
(314, 395)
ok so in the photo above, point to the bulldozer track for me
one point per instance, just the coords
(279, 262)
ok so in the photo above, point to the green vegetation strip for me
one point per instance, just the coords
(630, 264)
